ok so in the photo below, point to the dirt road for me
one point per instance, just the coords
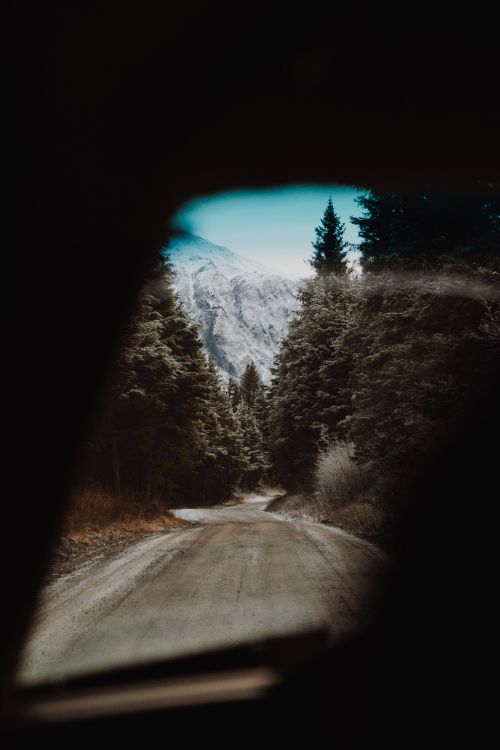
(237, 573)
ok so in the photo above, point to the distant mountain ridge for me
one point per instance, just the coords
(241, 307)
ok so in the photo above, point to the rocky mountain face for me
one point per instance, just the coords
(241, 307)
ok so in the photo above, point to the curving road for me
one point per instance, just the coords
(237, 573)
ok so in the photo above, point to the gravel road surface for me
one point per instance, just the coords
(238, 573)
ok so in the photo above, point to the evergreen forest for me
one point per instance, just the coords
(381, 359)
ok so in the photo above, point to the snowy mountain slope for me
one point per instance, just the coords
(241, 307)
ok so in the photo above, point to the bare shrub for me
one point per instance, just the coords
(345, 495)
(338, 478)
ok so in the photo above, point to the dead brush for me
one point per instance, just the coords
(339, 480)
(363, 519)
(93, 510)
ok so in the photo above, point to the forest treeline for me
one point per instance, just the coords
(169, 428)
(378, 364)
(377, 361)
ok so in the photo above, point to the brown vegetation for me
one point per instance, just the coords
(96, 516)
(344, 495)
(361, 518)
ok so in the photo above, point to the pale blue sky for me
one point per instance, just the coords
(275, 226)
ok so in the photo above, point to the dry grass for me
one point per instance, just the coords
(362, 519)
(95, 516)
(237, 499)
(99, 525)
(365, 519)
(344, 496)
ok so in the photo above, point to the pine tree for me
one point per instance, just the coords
(428, 228)
(329, 247)
(221, 462)
(234, 393)
(167, 429)
(250, 398)
(255, 459)
(309, 394)
(250, 385)
(386, 365)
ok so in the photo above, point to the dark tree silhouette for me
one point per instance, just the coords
(329, 247)
(428, 228)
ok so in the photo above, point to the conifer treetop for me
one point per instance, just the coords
(330, 251)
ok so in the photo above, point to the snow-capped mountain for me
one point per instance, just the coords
(242, 308)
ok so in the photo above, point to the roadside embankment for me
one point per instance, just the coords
(100, 524)
(363, 519)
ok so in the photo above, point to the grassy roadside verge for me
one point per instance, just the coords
(99, 524)
(362, 519)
